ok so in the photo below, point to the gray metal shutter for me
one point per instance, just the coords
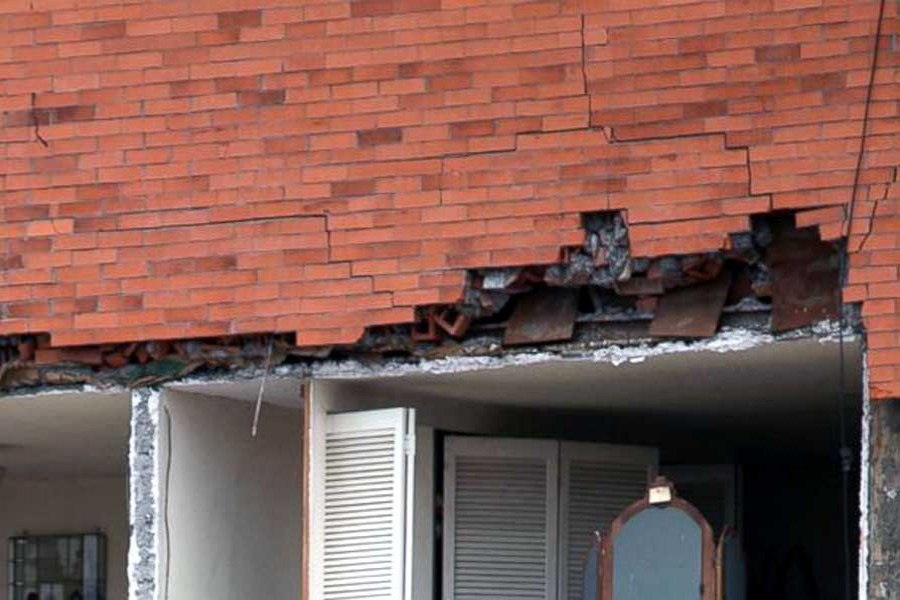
(597, 482)
(501, 505)
(365, 507)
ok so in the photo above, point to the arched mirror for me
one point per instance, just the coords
(659, 547)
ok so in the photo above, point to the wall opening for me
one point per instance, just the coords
(63, 487)
(752, 437)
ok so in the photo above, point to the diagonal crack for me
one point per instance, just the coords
(608, 133)
(584, 78)
(36, 122)
(895, 177)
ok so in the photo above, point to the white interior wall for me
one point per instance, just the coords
(450, 415)
(60, 506)
(231, 502)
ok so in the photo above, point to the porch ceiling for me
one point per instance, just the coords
(783, 377)
(786, 376)
(64, 435)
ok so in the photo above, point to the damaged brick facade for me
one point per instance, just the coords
(182, 170)
(174, 171)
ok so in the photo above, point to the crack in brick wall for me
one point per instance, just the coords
(321, 168)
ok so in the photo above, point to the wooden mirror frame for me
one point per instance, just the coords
(708, 545)
(727, 533)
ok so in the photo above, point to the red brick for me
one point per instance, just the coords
(374, 137)
(238, 19)
(782, 53)
(209, 123)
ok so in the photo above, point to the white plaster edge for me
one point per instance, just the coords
(864, 464)
(727, 340)
(134, 551)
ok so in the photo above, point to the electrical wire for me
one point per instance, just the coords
(844, 452)
(846, 456)
(860, 157)
(262, 388)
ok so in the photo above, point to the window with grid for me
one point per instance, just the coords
(57, 567)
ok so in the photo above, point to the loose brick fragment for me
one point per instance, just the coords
(86, 356)
(103, 30)
(376, 137)
(261, 98)
(238, 19)
(472, 128)
(780, 53)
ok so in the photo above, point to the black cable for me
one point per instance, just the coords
(873, 69)
(846, 456)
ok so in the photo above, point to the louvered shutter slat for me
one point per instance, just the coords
(364, 492)
(501, 519)
(598, 482)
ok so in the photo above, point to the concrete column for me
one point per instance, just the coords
(144, 494)
(884, 500)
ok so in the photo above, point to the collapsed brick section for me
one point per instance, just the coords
(779, 272)
(332, 165)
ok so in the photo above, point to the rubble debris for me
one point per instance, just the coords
(741, 287)
(86, 356)
(805, 279)
(746, 306)
(18, 373)
(640, 286)
(545, 315)
(607, 306)
(647, 304)
(425, 328)
(761, 277)
(9, 349)
(26, 348)
(699, 269)
(499, 279)
(15, 348)
(312, 352)
(692, 312)
(603, 259)
(452, 321)
(666, 268)
(134, 364)
(744, 247)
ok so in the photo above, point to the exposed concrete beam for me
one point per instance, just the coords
(144, 495)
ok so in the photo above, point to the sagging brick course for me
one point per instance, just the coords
(219, 168)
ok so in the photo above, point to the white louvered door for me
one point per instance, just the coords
(363, 505)
(500, 511)
(597, 482)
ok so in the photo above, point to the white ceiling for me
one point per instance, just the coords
(64, 435)
(282, 391)
(781, 377)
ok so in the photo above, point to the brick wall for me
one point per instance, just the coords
(207, 167)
